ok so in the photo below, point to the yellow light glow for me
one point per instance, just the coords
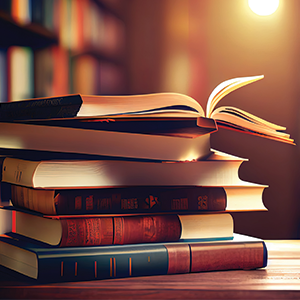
(263, 7)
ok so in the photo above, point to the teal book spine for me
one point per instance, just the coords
(76, 264)
(50, 264)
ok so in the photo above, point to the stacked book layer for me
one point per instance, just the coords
(107, 187)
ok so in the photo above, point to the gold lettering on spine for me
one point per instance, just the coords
(110, 270)
(184, 203)
(71, 232)
(180, 203)
(129, 266)
(115, 267)
(202, 202)
(62, 268)
(89, 202)
(78, 203)
(95, 269)
(130, 203)
(175, 204)
(118, 230)
(103, 203)
(151, 201)
(76, 268)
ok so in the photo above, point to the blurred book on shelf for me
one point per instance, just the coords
(3, 75)
(50, 35)
(20, 73)
(51, 71)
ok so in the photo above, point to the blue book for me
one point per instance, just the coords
(46, 263)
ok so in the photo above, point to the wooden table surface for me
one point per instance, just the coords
(279, 280)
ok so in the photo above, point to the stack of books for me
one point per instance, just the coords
(108, 187)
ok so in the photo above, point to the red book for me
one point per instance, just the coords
(118, 229)
(143, 199)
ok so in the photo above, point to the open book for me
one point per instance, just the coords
(153, 106)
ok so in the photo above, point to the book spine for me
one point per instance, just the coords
(240, 256)
(119, 230)
(86, 232)
(35, 200)
(139, 200)
(5, 193)
(103, 264)
(76, 264)
(15, 171)
(43, 108)
(116, 201)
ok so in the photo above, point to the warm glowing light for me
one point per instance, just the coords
(263, 7)
(189, 157)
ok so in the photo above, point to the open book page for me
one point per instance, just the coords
(237, 119)
(233, 111)
(172, 104)
(234, 118)
(159, 104)
(225, 88)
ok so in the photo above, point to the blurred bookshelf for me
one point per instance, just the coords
(56, 47)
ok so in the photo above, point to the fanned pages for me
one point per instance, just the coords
(234, 118)
(237, 119)
(225, 88)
